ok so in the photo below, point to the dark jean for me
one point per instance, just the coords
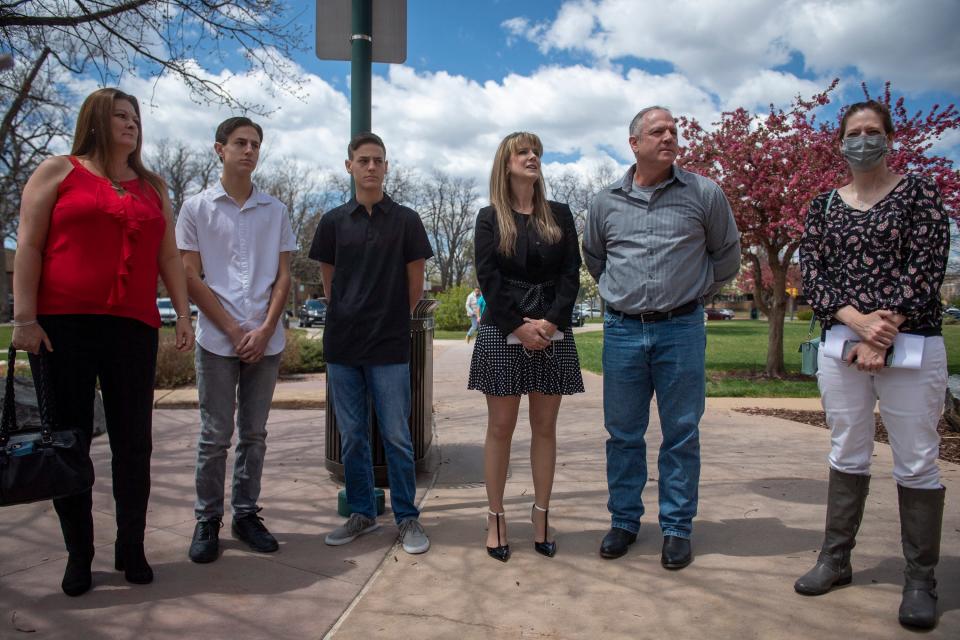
(389, 387)
(227, 385)
(666, 358)
(122, 354)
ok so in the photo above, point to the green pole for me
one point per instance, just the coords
(360, 67)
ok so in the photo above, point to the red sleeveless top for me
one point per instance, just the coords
(102, 248)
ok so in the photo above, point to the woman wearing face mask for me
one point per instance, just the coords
(873, 256)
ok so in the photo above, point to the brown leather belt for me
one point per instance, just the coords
(656, 316)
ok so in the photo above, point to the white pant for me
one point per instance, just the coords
(911, 401)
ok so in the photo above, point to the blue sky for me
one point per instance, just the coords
(575, 71)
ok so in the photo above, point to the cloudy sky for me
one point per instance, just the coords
(575, 72)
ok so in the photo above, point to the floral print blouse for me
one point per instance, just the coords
(892, 256)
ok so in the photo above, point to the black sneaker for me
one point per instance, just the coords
(250, 529)
(206, 541)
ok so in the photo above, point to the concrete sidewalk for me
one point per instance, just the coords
(760, 524)
(761, 519)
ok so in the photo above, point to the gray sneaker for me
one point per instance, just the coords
(413, 537)
(356, 526)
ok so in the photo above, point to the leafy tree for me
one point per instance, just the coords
(770, 166)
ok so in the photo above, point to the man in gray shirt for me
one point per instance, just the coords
(658, 242)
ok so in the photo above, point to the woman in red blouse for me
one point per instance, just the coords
(96, 229)
(873, 257)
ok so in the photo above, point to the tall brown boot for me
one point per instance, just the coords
(921, 518)
(846, 496)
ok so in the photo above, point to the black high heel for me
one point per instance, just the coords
(500, 552)
(544, 548)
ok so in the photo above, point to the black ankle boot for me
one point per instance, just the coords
(76, 578)
(129, 558)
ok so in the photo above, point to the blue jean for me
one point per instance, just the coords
(389, 387)
(227, 385)
(666, 358)
(472, 331)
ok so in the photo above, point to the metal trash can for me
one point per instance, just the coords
(421, 402)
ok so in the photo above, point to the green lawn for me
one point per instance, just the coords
(736, 356)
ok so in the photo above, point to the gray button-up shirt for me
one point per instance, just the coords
(657, 249)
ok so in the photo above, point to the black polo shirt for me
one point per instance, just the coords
(368, 310)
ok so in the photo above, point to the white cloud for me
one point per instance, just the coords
(435, 120)
(720, 44)
(771, 87)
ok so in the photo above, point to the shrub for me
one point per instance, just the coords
(176, 368)
(451, 315)
(805, 314)
(301, 355)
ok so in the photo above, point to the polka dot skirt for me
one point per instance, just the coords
(501, 369)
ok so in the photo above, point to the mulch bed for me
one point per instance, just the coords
(949, 440)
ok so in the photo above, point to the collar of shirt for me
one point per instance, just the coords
(383, 207)
(627, 185)
(257, 197)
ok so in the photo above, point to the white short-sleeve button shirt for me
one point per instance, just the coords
(240, 249)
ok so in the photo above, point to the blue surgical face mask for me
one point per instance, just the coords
(864, 153)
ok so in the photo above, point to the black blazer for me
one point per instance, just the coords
(534, 261)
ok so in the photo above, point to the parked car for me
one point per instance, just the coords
(576, 318)
(313, 312)
(168, 315)
(589, 312)
(952, 312)
(719, 314)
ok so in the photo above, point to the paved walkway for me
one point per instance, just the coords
(760, 523)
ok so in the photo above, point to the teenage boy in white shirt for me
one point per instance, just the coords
(235, 242)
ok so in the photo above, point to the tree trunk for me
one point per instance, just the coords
(775, 316)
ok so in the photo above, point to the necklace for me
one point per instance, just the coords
(117, 187)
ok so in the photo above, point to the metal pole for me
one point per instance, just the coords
(360, 67)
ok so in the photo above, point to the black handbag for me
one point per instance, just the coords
(39, 463)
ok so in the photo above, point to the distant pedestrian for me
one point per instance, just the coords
(873, 256)
(473, 312)
(235, 241)
(528, 265)
(658, 242)
(372, 253)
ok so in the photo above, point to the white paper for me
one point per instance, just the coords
(907, 348)
(512, 339)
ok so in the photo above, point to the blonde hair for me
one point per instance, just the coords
(500, 194)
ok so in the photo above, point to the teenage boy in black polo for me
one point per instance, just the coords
(372, 253)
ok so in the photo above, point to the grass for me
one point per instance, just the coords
(449, 334)
(737, 353)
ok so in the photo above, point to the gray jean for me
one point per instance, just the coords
(227, 385)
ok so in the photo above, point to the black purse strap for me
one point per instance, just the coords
(38, 366)
(8, 422)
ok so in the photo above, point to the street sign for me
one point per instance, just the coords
(389, 32)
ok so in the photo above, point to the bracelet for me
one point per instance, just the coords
(185, 317)
(26, 323)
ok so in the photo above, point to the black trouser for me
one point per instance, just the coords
(122, 354)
